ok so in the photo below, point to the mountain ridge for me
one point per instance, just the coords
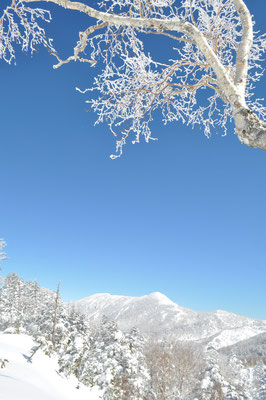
(157, 316)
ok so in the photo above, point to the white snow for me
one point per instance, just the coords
(228, 337)
(38, 379)
(144, 313)
(156, 315)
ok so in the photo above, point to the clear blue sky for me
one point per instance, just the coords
(185, 215)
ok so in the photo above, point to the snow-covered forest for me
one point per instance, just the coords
(125, 365)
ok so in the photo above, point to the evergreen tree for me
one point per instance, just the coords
(11, 303)
(74, 348)
(51, 324)
(134, 379)
(113, 362)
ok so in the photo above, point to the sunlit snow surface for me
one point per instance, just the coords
(36, 380)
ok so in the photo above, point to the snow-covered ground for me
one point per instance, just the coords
(38, 379)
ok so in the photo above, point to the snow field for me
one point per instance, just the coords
(38, 379)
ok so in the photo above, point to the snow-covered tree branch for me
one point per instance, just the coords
(214, 60)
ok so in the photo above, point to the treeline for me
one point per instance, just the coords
(124, 365)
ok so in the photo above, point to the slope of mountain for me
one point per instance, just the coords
(156, 315)
(39, 379)
(250, 349)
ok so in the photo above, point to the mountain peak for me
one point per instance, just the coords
(160, 297)
(157, 294)
(156, 315)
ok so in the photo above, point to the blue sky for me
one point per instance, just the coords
(184, 215)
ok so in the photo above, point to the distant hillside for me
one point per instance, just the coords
(249, 350)
(156, 315)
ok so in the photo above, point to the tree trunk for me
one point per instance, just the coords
(249, 128)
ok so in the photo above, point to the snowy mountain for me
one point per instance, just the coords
(38, 379)
(156, 315)
(48, 349)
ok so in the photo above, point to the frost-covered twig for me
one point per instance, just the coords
(18, 25)
(216, 53)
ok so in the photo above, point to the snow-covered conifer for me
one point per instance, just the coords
(11, 303)
(73, 354)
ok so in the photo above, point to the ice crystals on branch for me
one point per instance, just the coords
(133, 84)
(19, 26)
(205, 77)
